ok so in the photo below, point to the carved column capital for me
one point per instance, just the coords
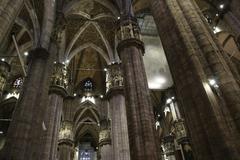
(180, 131)
(59, 80)
(114, 80)
(105, 133)
(66, 132)
(128, 34)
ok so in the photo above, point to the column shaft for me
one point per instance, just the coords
(66, 152)
(139, 109)
(120, 139)
(25, 134)
(193, 56)
(106, 152)
(52, 122)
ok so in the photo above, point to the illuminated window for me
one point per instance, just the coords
(88, 85)
(85, 155)
(18, 82)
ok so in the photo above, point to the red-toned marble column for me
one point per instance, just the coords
(139, 109)
(115, 94)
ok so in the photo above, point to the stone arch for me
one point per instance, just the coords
(93, 46)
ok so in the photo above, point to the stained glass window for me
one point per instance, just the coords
(18, 82)
(88, 85)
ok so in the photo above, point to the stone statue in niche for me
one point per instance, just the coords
(114, 77)
(59, 77)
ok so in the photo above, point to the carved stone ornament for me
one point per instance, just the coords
(180, 130)
(114, 77)
(59, 76)
(128, 29)
(104, 137)
(66, 131)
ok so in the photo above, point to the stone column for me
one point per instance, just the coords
(105, 140)
(169, 148)
(66, 142)
(120, 141)
(183, 140)
(57, 92)
(26, 131)
(194, 57)
(139, 109)
(4, 70)
(234, 24)
(234, 7)
(8, 12)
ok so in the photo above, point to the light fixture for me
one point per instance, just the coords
(74, 94)
(216, 29)
(212, 82)
(67, 61)
(221, 6)
(118, 18)
(3, 59)
(217, 14)
(105, 69)
(173, 98)
(101, 96)
(168, 101)
(25, 53)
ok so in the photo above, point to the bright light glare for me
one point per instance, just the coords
(212, 82)
(91, 99)
(216, 30)
(221, 6)
(25, 53)
(14, 94)
(169, 100)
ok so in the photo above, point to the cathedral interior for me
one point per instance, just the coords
(119, 80)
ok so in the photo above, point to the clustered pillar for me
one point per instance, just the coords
(115, 94)
(26, 132)
(194, 58)
(57, 92)
(105, 140)
(66, 141)
(139, 109)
